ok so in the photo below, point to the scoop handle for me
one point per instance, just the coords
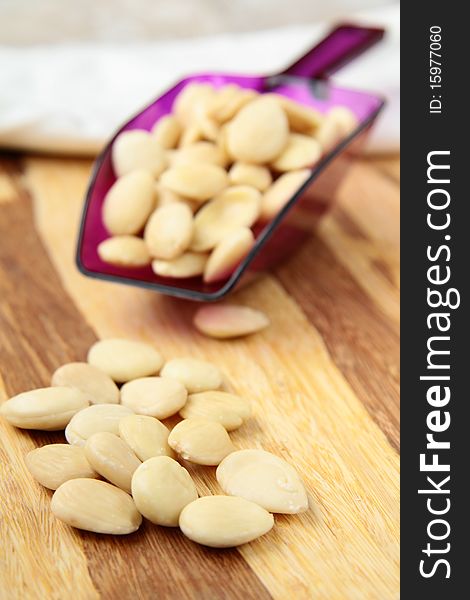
(344, 43)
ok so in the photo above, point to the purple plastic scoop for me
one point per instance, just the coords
(306, 82)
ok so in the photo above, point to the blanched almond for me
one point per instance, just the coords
(98, 386)
(189, 264)
(224, 521)
(112, 458)
(303, 119)
(200, 441)
(166, 196)
(167, 131)
(222, 97)
(229, 320)
(54, 464)
(345, 119)
(195, 180)
(237, 206)
(169, 231)
(221, 143)
(259, 131)
(301, 151)
(94, 419)
(263, 478)
(190, 135)
(193, 102)
(49, 409)
(124, 251)
(137, 149)
(328, 134)
(255, 175)
(281, 191)
(228, 253)
(147, 436)
(227, 409)
(95, 506)
(196, 375)
(209, 128)
(228, 101)
(124, 360)
(128, 203)
(161, 488)
(159, 397)
(199, 152)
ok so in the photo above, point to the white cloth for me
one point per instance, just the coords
(69, 98)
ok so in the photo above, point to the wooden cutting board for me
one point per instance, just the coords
(323, 379)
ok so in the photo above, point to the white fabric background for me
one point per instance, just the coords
(69, 97)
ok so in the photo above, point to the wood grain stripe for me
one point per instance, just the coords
(364, 235)
(360, 340)
(389, 165)
(41, 329)
(7, 189)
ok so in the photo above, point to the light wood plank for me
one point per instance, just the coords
(369, 250)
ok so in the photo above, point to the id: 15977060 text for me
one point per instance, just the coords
(435, 69)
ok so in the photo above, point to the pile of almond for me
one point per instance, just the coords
(122, 463)
(188, 192)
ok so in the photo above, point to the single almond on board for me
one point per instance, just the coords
(49, 409)
(54, 464)
(200, 441)
(189, 264)
(196, 375)
(281, 191)
(255, 175)
(301, 151)
(228, 253)
(169, 231)
(128, 203)
(195, 180)
(94, 419)
(263, 478)
(237, 206)
(161, 488)
(229, 320)
(112, 458)
(137, 149)
(227, 409)
(259, 131)
(124, 360)
(99, 387)
(167, 131)
(124, 251)
(95, 506)
(147, 436)
(159, 397)
(199, 152)
(224, 521)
